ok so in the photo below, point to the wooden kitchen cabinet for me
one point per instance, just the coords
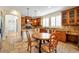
(72, 38)
(23, 20)
(65, 17)
(36, 22)
(77, 15)
(61, 36)
(28, 19)
(70, 16)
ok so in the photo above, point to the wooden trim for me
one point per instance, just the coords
(68, 16)
(75, 16)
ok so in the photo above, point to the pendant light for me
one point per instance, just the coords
(28, 15)
(35, 14)
(27, 11)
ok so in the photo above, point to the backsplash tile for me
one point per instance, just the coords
(73, 29)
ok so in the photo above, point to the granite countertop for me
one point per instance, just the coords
(72, 33)
(68, 32)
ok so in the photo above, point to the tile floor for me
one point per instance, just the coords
(21, 47)
(67, 48)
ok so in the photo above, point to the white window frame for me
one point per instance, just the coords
(45, 22)
(50, 21)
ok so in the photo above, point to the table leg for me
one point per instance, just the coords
(40, 46)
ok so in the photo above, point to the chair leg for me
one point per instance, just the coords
(29, 49)
(55, 51)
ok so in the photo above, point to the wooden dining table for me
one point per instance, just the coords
(40, 37)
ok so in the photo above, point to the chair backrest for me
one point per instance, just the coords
(29, 40)
(53, 40)
(53, 43)
(36, 30)
(43, 30)
(28, 35)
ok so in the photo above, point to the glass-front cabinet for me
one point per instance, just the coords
(71, 21)
(70, 16)
(78, 15)
(64, 18)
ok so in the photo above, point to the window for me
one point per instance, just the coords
(45, 22)
(54, 21)
(58, 21)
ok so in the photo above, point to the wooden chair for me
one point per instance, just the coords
(31, 43)
(52, 45)
(43, 30)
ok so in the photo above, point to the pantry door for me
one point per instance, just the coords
(11, 27)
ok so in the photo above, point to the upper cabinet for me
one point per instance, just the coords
(65, 17)
(23, 20)
(70, 16)
(28, 19)
(33, 21)
(77, 14)
(36, 22)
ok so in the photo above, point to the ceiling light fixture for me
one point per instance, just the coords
(49, 7)
(28, 15)
(27, 11)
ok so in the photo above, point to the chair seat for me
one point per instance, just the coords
(34, 43)
(46, 48)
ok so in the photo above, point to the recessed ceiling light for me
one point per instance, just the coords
(36, 9)
(49, 6)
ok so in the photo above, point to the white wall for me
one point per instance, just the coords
(11, 12)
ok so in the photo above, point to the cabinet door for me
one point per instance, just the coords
(71, 21)
(22, 20)
(68, 17)
(61, 36)
(73, 38)
(71, 16)
(78, 15)
(64, 18)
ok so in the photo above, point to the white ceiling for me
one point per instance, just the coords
(41, 10)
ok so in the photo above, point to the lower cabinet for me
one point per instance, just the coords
(61, 36)
(72, 38)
